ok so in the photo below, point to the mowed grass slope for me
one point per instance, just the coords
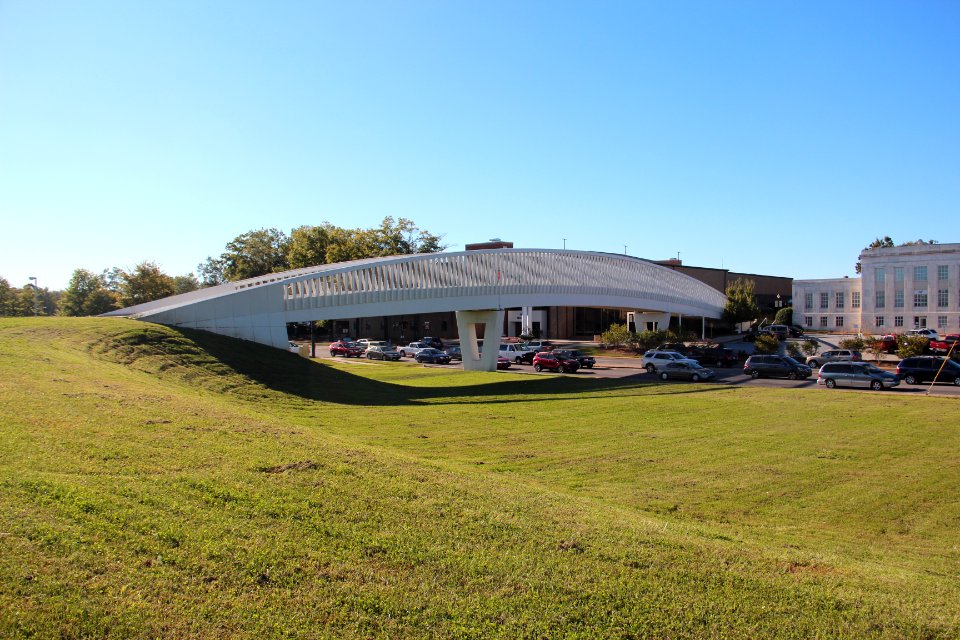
(156, 483)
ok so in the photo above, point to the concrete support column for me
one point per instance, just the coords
(526, 320)
(467, 323)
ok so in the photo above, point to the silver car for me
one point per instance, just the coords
(856, 374)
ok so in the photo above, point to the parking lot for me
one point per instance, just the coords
(629, 367)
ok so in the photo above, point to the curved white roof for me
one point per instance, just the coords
(259, 308)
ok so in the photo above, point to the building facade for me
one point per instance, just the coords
(900, 288)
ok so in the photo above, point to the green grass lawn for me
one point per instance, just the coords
(157, 483)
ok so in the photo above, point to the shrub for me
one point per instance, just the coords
(810, 347)
(794, 351)
(766, 344)
(909, 346)
(857, 344)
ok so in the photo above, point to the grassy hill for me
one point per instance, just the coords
(158, 483)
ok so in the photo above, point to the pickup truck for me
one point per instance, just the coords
(944, 346)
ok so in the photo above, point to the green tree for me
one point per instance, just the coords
(185, 284)
(144, 284)
(87, 295)
(784, 316)
(741, 302)
(249, 255)
(766, 344)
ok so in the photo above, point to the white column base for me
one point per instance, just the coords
(467, 322)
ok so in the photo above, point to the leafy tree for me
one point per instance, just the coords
(616, 336)
(87, 295)
(784, 316)
(741, 302)
(185, 284)
(909, 346)
(766, 344)
(249, 255)
(879, 243)
(144, 284)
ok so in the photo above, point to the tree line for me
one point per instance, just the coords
(249, 255)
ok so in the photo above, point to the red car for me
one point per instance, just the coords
(346, 350)
(554, 362)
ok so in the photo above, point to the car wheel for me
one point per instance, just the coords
(830, 383)
(537, 368)
(695, 378)
(754, 374)
(876, 385)
(651, 368)
(664, 376)
(792, 375)
(910, 380)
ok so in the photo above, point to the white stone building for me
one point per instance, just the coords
(900, 288)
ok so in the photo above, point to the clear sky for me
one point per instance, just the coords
(765, 137)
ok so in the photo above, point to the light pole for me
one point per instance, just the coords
(36, 296)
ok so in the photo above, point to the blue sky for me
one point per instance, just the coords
(765, 137)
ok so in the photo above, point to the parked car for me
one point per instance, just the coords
(946, 345)
(856, 374)
(713, 355)
(517, 353)
(538, 345)
(382, 352)
(929, 334)
(920, 369)
(413, 349)
(779, 331)
(346, 349)
(454, 353)
(429, 355)
(681, 370)
(585, 361)
(654, 359)
(834, 355)
(775, 367)
(503, 363)
(436, 343)
(553, 362)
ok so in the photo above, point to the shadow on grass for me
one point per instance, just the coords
(292, 374)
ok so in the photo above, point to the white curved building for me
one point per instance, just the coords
(477, 285)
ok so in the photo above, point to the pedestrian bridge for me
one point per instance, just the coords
(477, 285)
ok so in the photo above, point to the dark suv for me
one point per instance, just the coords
(775, 367)
(924, 368)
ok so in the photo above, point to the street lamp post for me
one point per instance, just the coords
(36, 296)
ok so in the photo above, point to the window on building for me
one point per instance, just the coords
(855, 299)
(838, 321)
(943, 298)
(824, 300)
(943, 272)
(919, 274)
(898, 274)
(823, 321)
(881, 301)
(840, 299)
(898, 299)
(919, 298)
(808, 321)
(898, 321)
(941, 322)
(808, 301)
(879, 276)
(878, 321)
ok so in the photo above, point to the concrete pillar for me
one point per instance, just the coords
(467, 323)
